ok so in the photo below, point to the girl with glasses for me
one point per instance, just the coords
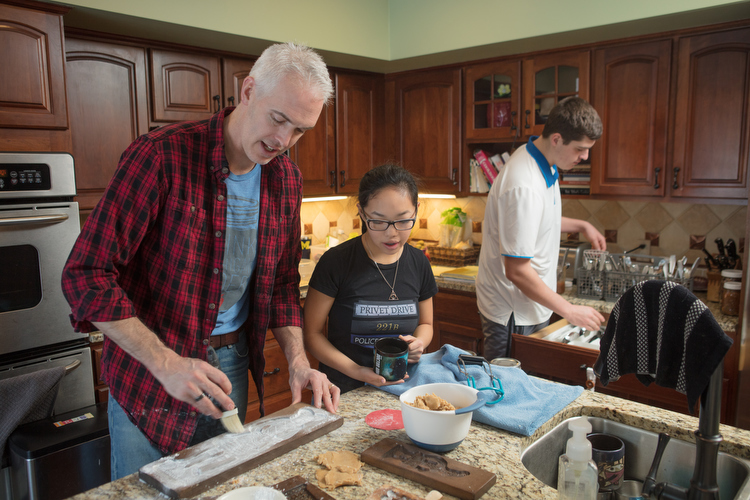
(371, 287)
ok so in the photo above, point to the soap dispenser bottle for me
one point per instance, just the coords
(577, 476)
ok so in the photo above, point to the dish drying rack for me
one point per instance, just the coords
(608, 276)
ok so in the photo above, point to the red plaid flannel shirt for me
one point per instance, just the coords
(154, 247)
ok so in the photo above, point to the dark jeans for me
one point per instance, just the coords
(497, 339)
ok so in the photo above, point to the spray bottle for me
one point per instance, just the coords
(577, 476)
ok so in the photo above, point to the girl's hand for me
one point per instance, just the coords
(416, 347)
(369, 376)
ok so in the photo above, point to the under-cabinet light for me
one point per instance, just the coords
(324, 198)
(438, 196)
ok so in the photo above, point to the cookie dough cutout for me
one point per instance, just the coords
(387, 420)
(342, 469)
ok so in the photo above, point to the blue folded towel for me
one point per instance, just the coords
(528, 403)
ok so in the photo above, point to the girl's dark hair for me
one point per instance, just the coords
(383, 176)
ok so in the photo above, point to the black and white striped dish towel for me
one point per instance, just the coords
(663, 333)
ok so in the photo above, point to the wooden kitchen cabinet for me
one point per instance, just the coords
(630, 90)
(107, 92)
(234, 70)
(456, 321)
(315, 155)
(548, 79)
(712, 116)
(184, 86)
(360, 120)
(101, 390)
(32, 91)
(424, 126)
(492, 101)
(277, 394)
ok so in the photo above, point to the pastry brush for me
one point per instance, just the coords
(229, 419)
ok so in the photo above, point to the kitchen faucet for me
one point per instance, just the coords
(703, 485)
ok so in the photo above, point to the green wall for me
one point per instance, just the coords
(396, 32)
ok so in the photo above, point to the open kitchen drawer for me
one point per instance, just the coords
(567, 363)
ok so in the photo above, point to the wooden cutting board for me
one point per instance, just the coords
(210, 463)
(431, 469)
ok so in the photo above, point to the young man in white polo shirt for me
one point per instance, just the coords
(516, 285)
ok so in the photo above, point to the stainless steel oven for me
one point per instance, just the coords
(38, 225)
(39, 222)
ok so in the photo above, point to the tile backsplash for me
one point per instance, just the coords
(666, 228)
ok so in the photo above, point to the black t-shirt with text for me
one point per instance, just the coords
(362, 313)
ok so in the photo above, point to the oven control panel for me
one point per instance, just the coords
(24, 177)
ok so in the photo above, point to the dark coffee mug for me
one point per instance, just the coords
(390, 356)
(608, 452)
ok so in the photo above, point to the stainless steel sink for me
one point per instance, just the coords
(733, 473)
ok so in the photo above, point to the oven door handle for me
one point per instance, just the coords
(33, 219)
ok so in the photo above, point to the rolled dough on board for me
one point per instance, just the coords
(205, 465)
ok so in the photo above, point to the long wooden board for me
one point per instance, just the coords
(431, 469)
(205, 465)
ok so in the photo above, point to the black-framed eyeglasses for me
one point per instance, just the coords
(383, 225)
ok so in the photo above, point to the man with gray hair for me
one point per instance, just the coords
(191, 255)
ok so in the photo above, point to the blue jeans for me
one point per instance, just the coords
(131, 450)
(498, 339)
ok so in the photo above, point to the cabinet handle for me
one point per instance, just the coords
(454, 176)
(230, 99)
(333, 178)
(528, 112)
(272, 372)
(512, 119)
(217, 102)
(656, 177)
(674, 179)
(343, 177)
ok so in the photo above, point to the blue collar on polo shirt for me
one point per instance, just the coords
(550, 173)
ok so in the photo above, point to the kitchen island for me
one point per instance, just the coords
(486, 447)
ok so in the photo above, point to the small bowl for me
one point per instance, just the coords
(253, 493)
(438, 431)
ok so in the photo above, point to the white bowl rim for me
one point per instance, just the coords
(427, 387)
(238, 493)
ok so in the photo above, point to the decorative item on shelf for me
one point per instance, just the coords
(498, 114)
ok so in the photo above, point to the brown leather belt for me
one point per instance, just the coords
(225, 339)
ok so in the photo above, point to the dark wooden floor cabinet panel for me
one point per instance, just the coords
(108, 96)
(184, 86)
(712, 116)
(631, 93)
(424, 132)
(456, 322)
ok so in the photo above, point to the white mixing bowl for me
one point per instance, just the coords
(438, 431)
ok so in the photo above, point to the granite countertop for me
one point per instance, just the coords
(727, 323)
(486, 447)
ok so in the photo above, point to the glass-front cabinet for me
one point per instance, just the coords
(548, 79)
(493, 96)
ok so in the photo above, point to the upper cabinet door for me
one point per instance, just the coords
(712, 116)
(234, 72)
(427, 127)
(184, 86)
(631, 93)
(315, 155)
(493, 97)
(32, 89)
(548, 79)
(360, 118)
(108, 109)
